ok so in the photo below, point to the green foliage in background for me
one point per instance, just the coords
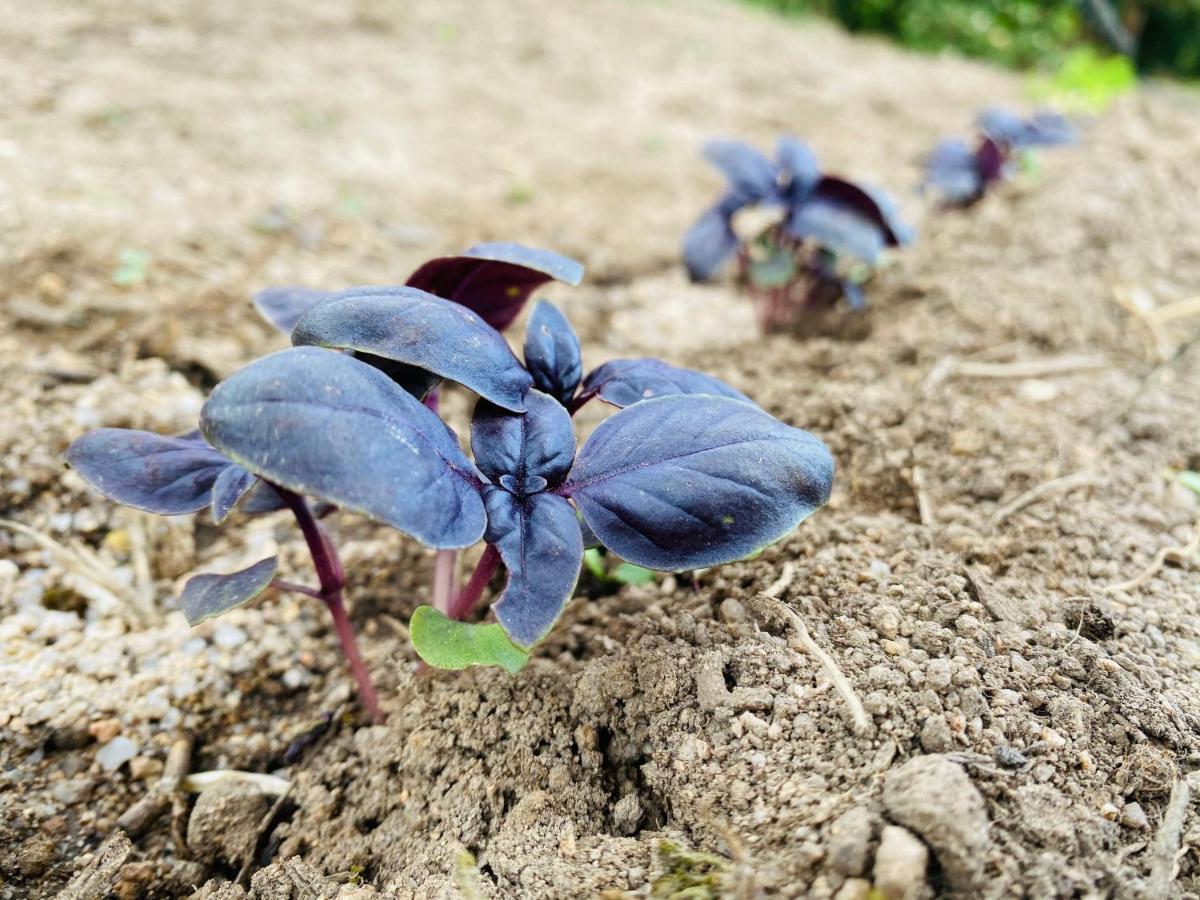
(1087, 81)
(1026, 33)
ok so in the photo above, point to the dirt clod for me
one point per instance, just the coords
(224, 822)
(900, 864)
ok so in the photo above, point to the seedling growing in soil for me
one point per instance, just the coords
(688, 474)
(962, 175)
(803, 260)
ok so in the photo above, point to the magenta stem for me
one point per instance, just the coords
(445, 567)
(469, 596)
(333, 578)
(280, 585)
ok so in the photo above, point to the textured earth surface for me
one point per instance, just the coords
(1003, 419)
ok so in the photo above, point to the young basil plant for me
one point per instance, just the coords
(797, 264)
(963, 175)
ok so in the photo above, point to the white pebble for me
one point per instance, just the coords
(116, 753)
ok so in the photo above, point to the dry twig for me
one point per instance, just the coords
(1179, 554)
(1045, 489)
(139, 817)
(769, 602)
(95, 881)
(1165, 850)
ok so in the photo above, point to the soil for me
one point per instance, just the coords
(1032, 731)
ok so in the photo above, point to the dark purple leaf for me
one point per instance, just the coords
(846, 218)
(231, 485)
(495, 280)
(710, 243)
(157, 473)
(686, 482)
(552, 353)
(991, 161)
(328, 426)
(798, 164)
(1043, 129)
(539, 539)
(953, 169)
(623, 382)
(752, 177)
(206, 596)
(283, 306)
(524, 453)
(262, 499)
(416, 328)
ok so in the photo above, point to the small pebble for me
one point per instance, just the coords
(1133, 816)
(116, 753)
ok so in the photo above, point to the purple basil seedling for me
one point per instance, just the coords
(797, 263)
(962, 175)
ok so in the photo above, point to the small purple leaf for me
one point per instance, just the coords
(539, 539)
(526, 453)
(1043, 129)
(206, 596)
(751, 175)
(710, 243)
(691, 481)
(495, 279)
(419, 329)
(552, 353)
(283, 306)
(328, 426)
(845, 218)
(157, 473)
(231, 485)
(953, 169)
(798, 163)
(623, 382)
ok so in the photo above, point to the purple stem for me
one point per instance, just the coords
(578, 402)
(444, 570)
(469, 596)
(333, 578)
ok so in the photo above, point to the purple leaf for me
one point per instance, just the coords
(496, 279)
(623, 382)
(751, 175)
(328, 426)
(418, 329)
(524, 453)
(799, 164)
(953, 169)
(157, 473)
(539, 539)
(206, 596)
(710, 243)
(552, 353)
(231, 485)
(846, 218)
(1043, 129)
(692, 481)
(283, 306)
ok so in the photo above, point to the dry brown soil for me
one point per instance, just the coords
(1027, 726)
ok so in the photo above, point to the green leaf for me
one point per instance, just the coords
(628, 573)
(447, 644)
(1189, 480)
(776, 270)
(593, 561)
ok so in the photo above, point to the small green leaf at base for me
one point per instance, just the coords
(447, 644)
(206, 596)
(1189, 480)
(628, 573)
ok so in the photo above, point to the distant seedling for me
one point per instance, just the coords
(962, 176)
(688, 473)
(824, 234)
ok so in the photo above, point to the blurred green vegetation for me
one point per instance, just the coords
(1160, 36)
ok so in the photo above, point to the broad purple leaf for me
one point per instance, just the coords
(231, 485)
(524, 453)
(552, 353)
(846, 219)
(157, 473)
(991, 161)
(1043, 129)
(206, 596)
(623, 382)
(328, 426)
(539, 539)
(799, 164)
(693, 481)
(953, 169)
(752, 177)
(418, 329)
(283, 306)
(495, 279)
(710, 243)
